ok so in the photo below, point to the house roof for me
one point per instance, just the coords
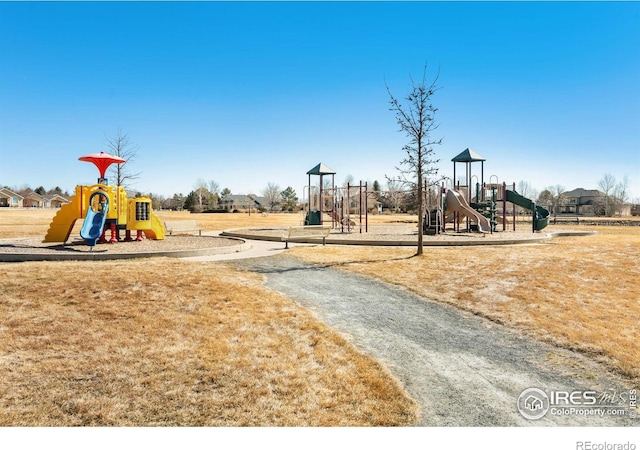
(580, 192)
(4, 192)
(259, 200)
(59, 197)
(35, 195)
(238, 199)
(321, 169)
(468, 155)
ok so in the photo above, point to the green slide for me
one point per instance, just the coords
(540, 214)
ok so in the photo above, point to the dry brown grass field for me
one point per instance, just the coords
(576, 292)
(166, 342)
(163, 342)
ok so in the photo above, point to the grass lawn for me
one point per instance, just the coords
(165, 342)
(162, 342)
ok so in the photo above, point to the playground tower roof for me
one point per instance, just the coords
(468, 156)
(102, 161)
(321, 169)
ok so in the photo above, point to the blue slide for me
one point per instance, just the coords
(94, 221)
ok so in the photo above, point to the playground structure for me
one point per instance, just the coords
(457, 203)
(105, 207)
(481, 206)
(347, 206)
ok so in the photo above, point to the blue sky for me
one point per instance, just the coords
(258, 92)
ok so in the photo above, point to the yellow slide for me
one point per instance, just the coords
(62, 223)
(157, 228)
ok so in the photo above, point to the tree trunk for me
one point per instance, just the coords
(420, 249)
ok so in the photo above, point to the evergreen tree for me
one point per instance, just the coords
(290, 198)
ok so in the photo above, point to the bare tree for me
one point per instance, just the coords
(202, 193)
(214, 193)
(554, 196)
(607, 185)
(526, 190)
(394, 194)
(120, 145)
(417, 121)
(615, 194)
(272, 194)
(214, 187)
(620, 194)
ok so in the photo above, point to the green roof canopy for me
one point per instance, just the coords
(321, 169)
(468, 156)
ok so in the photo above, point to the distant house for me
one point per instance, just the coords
(240, 202)
(582, 201)
(260, 202)
(263, 203)
(55, 201)
(34, 200)
(30, 199)
(10, 199)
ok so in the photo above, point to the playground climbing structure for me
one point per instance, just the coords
(480, 211)
(346, 206)
(116, 212)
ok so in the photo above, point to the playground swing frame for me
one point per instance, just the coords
(337, 202)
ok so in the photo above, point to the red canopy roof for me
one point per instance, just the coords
(102, 161)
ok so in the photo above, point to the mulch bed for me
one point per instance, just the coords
(170, 243)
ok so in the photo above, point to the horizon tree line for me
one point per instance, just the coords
(207, 195)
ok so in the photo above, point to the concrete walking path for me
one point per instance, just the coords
(258, 249)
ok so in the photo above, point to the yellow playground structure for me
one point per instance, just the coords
(105, 207)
